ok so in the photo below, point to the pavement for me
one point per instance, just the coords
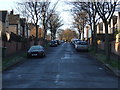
(63, 67)
(113, 56)
(13, 59)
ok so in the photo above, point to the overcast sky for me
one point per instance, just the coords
(62, 8)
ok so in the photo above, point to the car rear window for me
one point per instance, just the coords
(36, 48)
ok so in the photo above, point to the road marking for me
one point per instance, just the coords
(67, 56)
(100, 68)
(19, 76)
(57, 78)
(63, 44)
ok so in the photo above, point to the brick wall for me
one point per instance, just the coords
(13, 47)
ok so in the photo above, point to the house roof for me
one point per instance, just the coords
(3, 15)
(14, 19)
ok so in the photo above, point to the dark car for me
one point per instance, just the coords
(53, 43)
(58, 42)
(37, 50)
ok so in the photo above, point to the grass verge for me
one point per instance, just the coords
(9, 61)
(114, 63)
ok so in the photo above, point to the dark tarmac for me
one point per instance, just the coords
(63, 67)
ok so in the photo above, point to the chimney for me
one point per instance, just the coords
(11, 12)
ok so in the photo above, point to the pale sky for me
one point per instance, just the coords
(61, 8)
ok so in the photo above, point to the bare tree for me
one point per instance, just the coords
(54, 23)
(90, 9)
(106, 11)
(33, 11)
(80, 20)
(37, 12)
(46, 15)
(68, 34)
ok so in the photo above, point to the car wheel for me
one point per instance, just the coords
(43, 55)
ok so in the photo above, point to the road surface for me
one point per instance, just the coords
(63, 67)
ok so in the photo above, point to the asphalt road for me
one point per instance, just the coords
(63, 67)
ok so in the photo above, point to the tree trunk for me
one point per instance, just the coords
(36, 31)
(51, 36)
(107, 44)
(54, 35)
(95, 38)
(79, 34)
(83, 33)
(91, 36)
(45, 31)
(44, 34)
(36, 40)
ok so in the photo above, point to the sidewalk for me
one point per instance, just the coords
(17, 53)
(13, 59)
(113, 64)
(112, 55)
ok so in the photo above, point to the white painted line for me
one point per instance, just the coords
(19, 76)
(63, 44)
(57, 78)
(100, 68)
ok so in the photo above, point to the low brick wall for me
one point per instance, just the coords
(115, 47)
(13, 47)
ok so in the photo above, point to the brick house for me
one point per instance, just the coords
(4, 22)
(14, 23)
(112, 28)
(114, 25)
(4, 28)
(32, 30)
(24, 28)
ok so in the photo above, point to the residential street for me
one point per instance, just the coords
(63, 67)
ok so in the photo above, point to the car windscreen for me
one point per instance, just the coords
(36, 48)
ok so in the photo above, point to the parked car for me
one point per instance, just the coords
(58, 42)
(74, 42)
(62, 41)
(81, 46)
(37, 50)
(53, 43)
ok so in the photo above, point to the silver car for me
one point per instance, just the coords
(81, 46)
